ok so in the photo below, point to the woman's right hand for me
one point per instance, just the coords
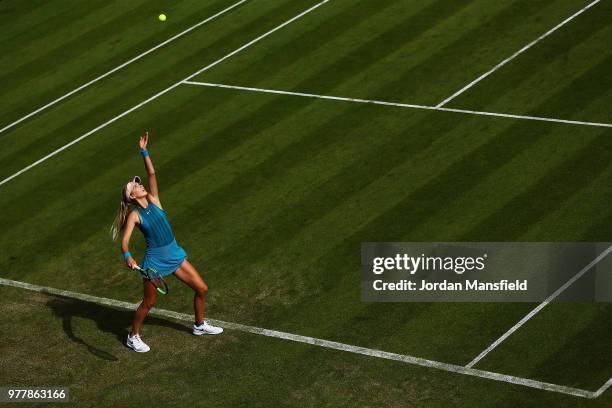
(144, 139)
(131, 263)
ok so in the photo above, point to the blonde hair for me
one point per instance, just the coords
(121, 216)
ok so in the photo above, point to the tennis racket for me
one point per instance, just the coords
(155, 278)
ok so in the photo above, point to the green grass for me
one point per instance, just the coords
(271, 196)
(82, 351)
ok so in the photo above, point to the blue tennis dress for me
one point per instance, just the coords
(162, 253)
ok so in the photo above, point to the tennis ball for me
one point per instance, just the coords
(162, 17)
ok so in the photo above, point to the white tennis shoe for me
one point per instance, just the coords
(136, 344)
(206, 328)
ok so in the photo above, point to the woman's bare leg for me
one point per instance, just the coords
(190, 276)
(150, 294)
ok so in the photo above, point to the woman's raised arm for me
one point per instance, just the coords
(144, 139)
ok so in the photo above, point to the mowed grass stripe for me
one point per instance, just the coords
(103, 47)
(467, 162)
(68, 41)
(133, 85)
(586, 89)
(552, 189)
(587, 215)
(25, 22)
(574, 58)
(518, 177)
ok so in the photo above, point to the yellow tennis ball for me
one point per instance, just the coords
(162, 17)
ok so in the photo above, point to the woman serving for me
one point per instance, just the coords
(162, 253)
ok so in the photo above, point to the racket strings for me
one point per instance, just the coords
(155, 278)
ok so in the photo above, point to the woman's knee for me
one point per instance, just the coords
(201, 289)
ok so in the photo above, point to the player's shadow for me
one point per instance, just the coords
(107, 319)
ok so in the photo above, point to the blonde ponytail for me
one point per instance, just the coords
(120, 218)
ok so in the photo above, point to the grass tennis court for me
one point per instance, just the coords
(271, 195)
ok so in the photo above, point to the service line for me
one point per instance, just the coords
(401, 105)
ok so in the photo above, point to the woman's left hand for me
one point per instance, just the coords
(144, 139)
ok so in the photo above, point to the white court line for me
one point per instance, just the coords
(539, 307)
(402, 105)
(322, 343)
(603, 388)
(121, 66)
(162, 92)
(510, 58)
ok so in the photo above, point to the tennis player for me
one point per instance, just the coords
(162, 253)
